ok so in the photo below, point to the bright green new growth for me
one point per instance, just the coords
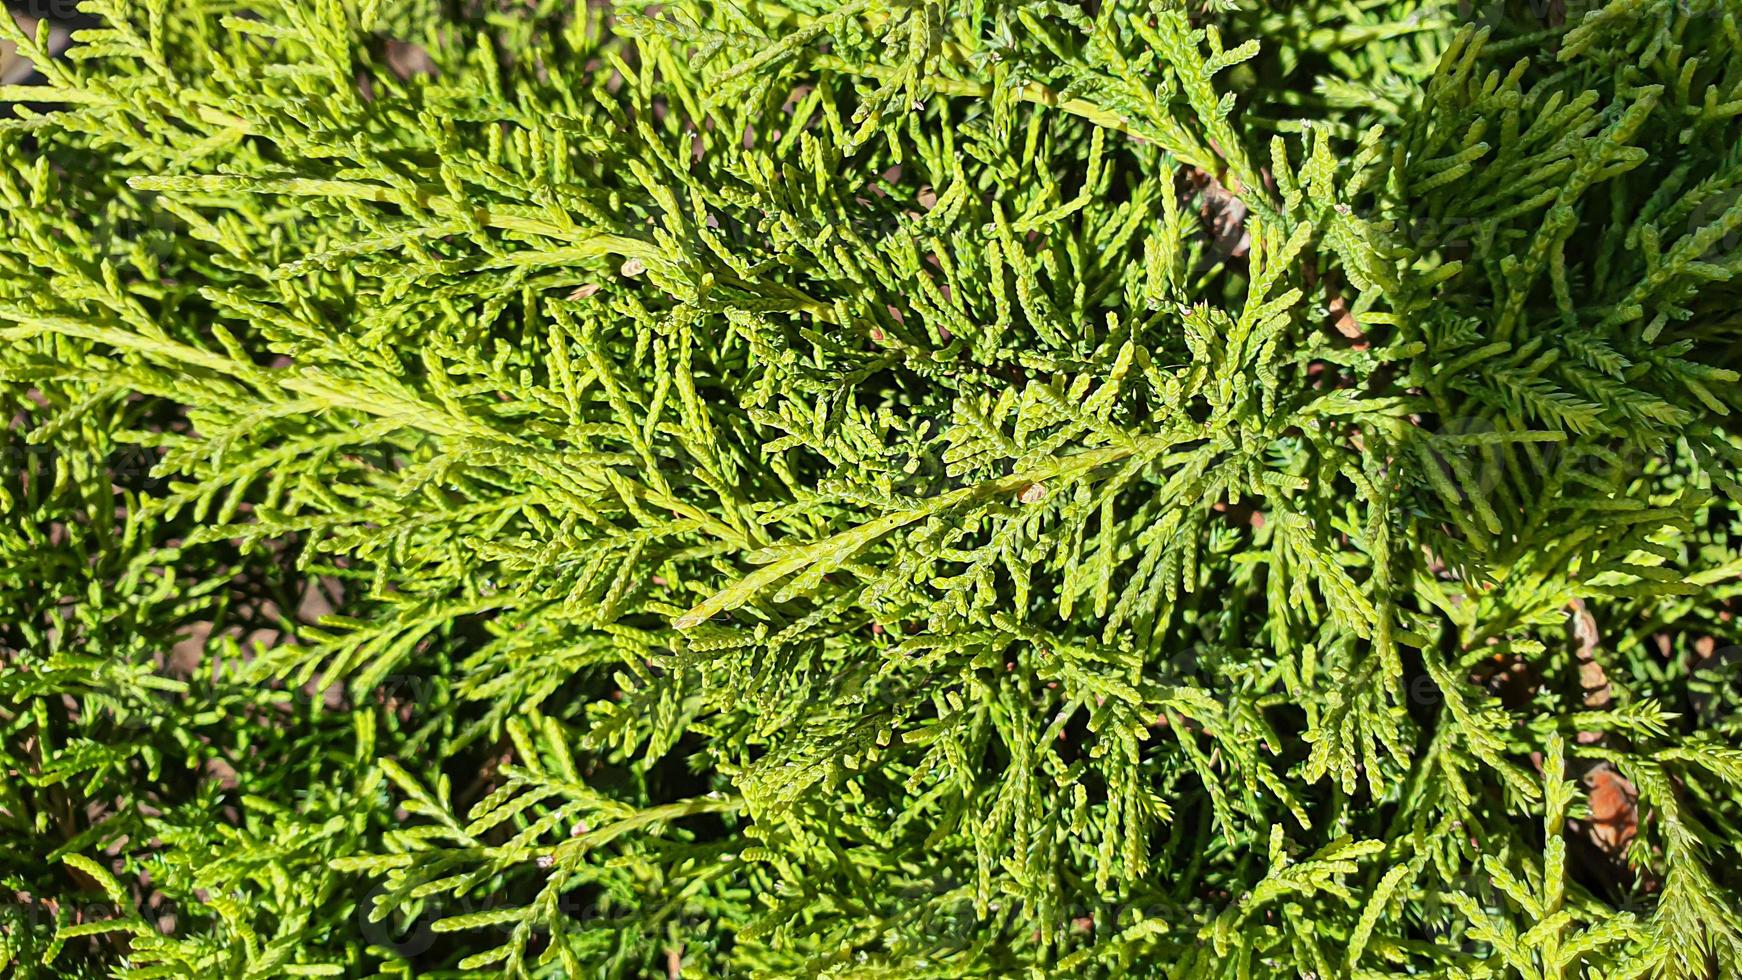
(880, 489)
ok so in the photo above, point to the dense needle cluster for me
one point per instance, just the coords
(886, 488)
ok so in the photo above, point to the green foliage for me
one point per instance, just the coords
(873, 489)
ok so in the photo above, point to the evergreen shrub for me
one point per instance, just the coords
(885, 488)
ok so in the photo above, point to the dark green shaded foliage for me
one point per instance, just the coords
(873, 489)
